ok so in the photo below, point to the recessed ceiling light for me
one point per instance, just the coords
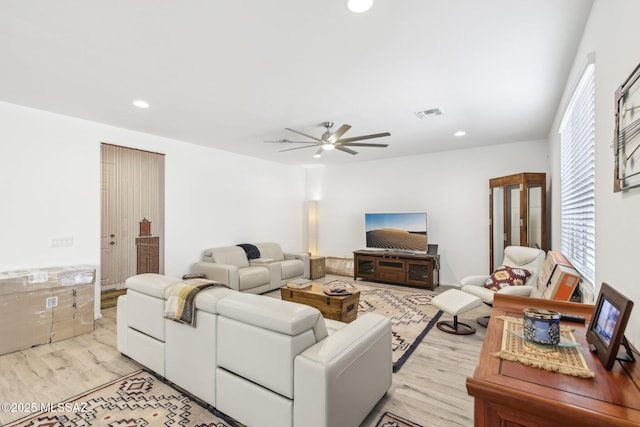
(317, 155)
(359, 6)
(141, 104)
(460, 133)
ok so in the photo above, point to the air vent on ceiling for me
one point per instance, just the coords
(428, 113)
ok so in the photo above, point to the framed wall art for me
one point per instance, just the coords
(626, 139)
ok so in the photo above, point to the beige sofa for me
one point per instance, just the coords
(230, 265)
(263, 361)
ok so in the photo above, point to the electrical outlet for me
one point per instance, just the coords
(62, 242)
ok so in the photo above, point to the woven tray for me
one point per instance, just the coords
(566, 360)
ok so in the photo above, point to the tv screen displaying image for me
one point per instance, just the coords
(403, 231)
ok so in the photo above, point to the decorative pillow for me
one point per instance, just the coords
(507, 276)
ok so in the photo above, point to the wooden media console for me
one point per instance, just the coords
(397, 267)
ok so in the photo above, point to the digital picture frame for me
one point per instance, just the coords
(608, 322)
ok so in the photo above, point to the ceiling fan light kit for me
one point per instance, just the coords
(333, 140)
(359, 6)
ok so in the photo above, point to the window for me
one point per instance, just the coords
(577, 177)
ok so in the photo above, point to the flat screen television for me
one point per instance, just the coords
(396, 231)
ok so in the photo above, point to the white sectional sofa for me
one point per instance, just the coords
(230, 265)
(259, 360)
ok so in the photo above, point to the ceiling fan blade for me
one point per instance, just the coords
(288, 141)
(345, 149)
(341, 131)
(304, 134)
(359, 144)
(360, 138)
(298, 148)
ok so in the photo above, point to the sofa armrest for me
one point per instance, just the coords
(223, 273)
(477, 280)
(354, 361)
(304, 257)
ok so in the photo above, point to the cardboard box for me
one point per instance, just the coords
(551, 260)
(339, 266)
(40, 306)
(25, 320)
(562, 283)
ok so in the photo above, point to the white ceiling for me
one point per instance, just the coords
(232, 74)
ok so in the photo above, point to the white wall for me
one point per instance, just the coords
(452, 187)
(50, 187)
(612, 34)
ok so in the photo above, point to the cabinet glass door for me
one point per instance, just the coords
(534, 227)
(498, 236)
(512, 204)
(366, 266)
(517, 210)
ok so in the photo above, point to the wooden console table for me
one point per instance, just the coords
(512, 394)
(397, 267)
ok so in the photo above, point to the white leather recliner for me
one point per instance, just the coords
(260, 360)
(530, 259)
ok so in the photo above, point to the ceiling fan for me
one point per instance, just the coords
(333, 140)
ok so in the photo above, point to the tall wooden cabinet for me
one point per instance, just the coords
(517, 214)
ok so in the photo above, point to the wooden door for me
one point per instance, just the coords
(132, 187)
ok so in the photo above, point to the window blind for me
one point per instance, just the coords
(577, 177)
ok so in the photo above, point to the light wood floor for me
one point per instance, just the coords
(429, 389)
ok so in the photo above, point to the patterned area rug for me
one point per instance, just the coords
(391, 420)
(136, 400)
(410, 310)
(411, 313)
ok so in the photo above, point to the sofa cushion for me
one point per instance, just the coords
(252, 277)
(151, 284)
(208, 299)
(270, 250)
(231, 255)
(259, 338)
(276, 315)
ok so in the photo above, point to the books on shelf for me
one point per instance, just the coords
(299, 283)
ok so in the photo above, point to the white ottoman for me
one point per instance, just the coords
(455, 302)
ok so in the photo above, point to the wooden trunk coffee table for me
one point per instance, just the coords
(343, 308)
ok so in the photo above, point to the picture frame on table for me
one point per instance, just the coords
(608, 322)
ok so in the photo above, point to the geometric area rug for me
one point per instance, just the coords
(411, 313)
(136, 400)
(391, 420)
